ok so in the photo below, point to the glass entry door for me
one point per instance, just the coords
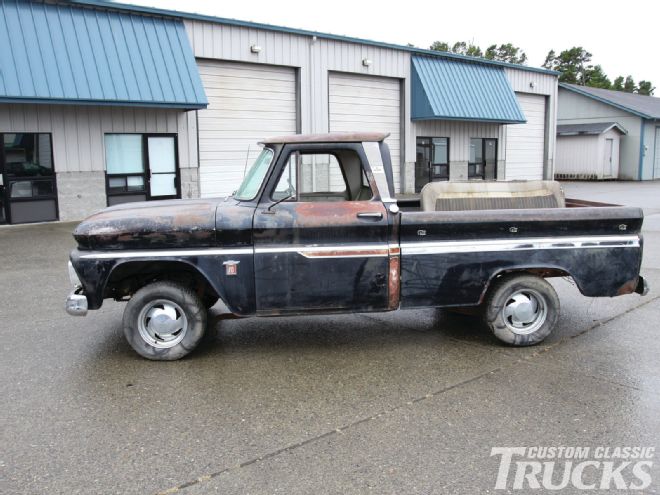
(141, 167)
(432, 162)
(28, 190)
(163, 177)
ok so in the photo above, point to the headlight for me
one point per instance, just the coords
(73, 276)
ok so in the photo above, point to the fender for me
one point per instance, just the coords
(96, 269)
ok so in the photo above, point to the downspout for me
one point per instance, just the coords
(641, 151)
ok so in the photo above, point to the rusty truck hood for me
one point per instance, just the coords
(153, 225)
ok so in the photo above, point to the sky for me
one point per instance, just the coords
(622, 36)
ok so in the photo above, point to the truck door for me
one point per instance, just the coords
(320, 234)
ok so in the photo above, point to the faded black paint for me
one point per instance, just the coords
(273, 283)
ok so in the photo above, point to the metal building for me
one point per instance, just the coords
(588, 151)
(639, 115)
(102, 103)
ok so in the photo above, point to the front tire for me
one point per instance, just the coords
(164, 321)
(522, 310)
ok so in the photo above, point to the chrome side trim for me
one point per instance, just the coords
(166, 253)
(345, 251)
(526, 244)
(384, 249)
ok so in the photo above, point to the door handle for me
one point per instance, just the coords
(371, 214)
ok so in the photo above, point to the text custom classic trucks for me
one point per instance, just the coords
(315, 228)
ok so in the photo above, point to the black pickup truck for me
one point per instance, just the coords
(315, 228)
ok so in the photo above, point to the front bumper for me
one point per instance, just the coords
(76, 303)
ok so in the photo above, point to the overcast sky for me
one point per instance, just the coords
(622, 36)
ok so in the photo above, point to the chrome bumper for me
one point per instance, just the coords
(76, 303)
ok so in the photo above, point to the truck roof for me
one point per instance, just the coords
(331, 137)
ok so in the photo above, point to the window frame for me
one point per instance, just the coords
(284, 151)
(146, 173)
(6, 181)
(300, 153)
(483, 158)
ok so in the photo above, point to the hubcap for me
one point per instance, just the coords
(525, 312)
(162, 324)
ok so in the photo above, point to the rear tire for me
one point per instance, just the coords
(521, 309)
(164, 321)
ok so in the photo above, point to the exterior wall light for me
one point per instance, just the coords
(366, 62)
(255, 48)
(532, 84)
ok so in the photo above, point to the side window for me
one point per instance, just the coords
(323, 177)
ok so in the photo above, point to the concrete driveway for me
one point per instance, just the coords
(409, 402)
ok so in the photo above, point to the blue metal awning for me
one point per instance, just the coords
(65, 54)
(455, 90)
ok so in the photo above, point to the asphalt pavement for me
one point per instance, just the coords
(405, 402)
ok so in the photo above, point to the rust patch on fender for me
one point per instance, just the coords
(628, 288)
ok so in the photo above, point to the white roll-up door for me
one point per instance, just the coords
(525, 142)
(247, 102)
(367, 103)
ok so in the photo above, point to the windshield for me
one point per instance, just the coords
(255, 176)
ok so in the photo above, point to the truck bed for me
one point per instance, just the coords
(458, 253)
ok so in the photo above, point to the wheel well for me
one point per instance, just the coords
(544, 272)
(128, 277)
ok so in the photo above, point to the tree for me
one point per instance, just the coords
(439, 46)
(645, 88)
(460, 48)
(506, 53)
(617, 85)
(549, 60)
(466, 48)
(629, 85)
(595, 77)
(573, 64)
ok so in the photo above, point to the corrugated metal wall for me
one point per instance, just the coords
(576, 109)
(583, 157)
(578, 155)
(314, 58)
(77, 131)
(459, 134)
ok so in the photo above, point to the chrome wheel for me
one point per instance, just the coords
(524, 312)
(162, 323)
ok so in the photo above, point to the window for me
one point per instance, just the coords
(254, 178)
(140, 167)
(323, 177)
(440, 159)
(432, 162)
(124, 161)
(483, 159)
(27, 176)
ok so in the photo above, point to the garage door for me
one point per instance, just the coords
(247, 102)
(367, 103)
(525, 142)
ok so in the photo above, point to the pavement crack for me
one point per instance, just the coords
(337, 431)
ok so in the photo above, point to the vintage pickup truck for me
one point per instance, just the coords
(315, 228)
